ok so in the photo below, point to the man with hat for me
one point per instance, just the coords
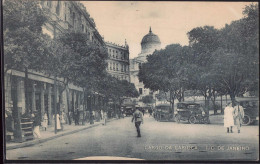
(138, 117)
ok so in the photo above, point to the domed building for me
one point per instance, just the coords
(149, 44)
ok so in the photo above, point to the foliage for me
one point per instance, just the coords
(148, 99)
(216, 62)
(115, 89)
(87, 63)
(24, 44)
(236, 61)
(169, 70)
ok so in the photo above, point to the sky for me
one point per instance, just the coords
(171, 21)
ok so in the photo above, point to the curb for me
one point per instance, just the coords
(30, 143)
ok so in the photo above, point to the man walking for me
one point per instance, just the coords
(238, 116)
(138, 117)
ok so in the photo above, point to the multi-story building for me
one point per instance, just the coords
(149, 44)
(118, 61)
(63, 16)
(70, 15)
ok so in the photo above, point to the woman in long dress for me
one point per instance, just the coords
(36, 125)
(45, 121)
(57, 121)
(229, 118)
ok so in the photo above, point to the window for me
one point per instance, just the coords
(140, 91)
(117, 66)
(58, 8)
(49, 4)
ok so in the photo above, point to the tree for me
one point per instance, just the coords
(85, 65)
(24, 44)
(236, 61)
(204, 41)
(148, 99)
(61, 62)
(115, 89)
(168, 70)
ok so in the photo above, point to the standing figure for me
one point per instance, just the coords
(138, 117)
(76, 117)
(69, 117)
(58, 122)
(91, 117)
(238, 116)
(104, 117)
(150, 111)
(228, 117)
(36, 125)
(45, 121)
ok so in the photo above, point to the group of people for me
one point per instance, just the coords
(233, 116)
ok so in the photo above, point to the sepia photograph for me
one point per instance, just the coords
(130, 81)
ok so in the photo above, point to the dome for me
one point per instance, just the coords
(150, 38)
(150, 43)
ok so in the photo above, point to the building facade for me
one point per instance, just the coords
(149, 44)
(64, 16)
(70, 16)
(118, 61)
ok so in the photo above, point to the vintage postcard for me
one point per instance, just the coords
(130, 80)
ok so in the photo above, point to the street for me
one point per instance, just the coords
(159, 141)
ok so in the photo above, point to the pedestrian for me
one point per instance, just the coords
(36, 125)
(104, 117)
(238, 116)
(58, 122)
(45, 121)
(150, 111)
(76, 117)
(92, 117)
(228, 117)
(69, 117)
(138, 117)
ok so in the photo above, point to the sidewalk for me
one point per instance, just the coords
(49, 134)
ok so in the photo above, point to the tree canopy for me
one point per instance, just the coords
(24, 44)
(223, 61)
